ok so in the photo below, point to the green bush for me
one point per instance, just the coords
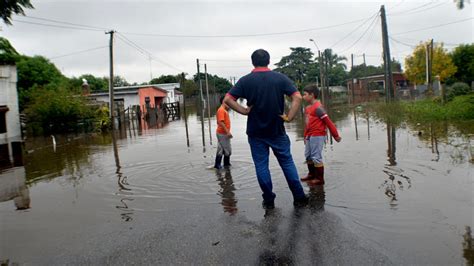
(457, 89)
(53, 110)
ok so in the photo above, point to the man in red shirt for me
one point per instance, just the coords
(315, 134)
(223, 136)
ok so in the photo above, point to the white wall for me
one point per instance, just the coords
(9, 97)
(129, 99)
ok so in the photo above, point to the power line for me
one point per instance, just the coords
(144, 52)
(55, 26)
(371, 25)
(79, 52)
(432, 27)
(423, 10)
(66, 23)
(354, 30)
(244, 35)
(411, 9)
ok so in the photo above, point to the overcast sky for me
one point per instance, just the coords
(223, 33)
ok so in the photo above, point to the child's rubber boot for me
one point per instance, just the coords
(227, 161)
(217, 163)
(311, 171)
(318, 174)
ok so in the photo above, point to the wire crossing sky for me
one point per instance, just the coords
(166, 37)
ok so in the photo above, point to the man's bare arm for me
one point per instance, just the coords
(236, 106)
(295, 105)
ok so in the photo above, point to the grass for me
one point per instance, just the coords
(461, 108)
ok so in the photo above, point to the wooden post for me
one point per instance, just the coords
(111, 78)
(208, 105)
(201, 105)
(390, 94)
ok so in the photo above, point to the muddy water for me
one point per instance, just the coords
(394, 194)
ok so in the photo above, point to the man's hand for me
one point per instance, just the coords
(338, 139)
(229, 135)
(247, 110)
(285, 118)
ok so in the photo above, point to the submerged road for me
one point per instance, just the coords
(202, 236)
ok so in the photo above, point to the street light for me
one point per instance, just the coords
(320, 71)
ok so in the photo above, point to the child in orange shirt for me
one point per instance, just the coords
(223, 136)
(315, 134)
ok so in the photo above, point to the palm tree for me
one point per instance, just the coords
(334, 60)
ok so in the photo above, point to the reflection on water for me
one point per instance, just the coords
(145, 169)
(123, 191)
(13, 187)
(229, 202)
(468, 246)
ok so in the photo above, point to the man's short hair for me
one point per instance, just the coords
(260, 58)
(312, 89)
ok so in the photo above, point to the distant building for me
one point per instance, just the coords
(152, 95)
(372, 87)
(10, 128)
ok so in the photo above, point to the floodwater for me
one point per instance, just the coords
(395, 194)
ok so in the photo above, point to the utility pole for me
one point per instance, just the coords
(201, 105)
(326, 75)
(365, 75)
(111, 78)
(208, 105)
(390, 94)
(352, 78)
(429, 67)
(183, 79)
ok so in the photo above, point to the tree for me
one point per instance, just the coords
(297, 64)
(35, 71)
(164, 79)
(8, 7)
(56, 109)
(96, 84)
(442, 64)
(118, 81)
(8, 54)
(463, 59)
(216, 83)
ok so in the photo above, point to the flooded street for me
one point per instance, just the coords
(393, 195)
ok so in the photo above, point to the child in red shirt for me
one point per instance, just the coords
(317, 121)
(223, 136)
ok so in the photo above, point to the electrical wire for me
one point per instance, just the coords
(55, 26)
(354, 30)
(436, 26)
(246, 35)
(79, 52)
(145, 52)
(66, 23)
(371, 25)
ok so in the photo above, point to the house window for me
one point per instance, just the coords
(3, 119)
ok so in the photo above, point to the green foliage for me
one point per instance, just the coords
(463, 58)
(96, 84)
(8, 54)
(460, 108)
(36, 71)
(10, 7)
(303, 69)
(297, 64)
(216, 83)
(54, 110)
(189, 88)
(458, 88)
(165, 79)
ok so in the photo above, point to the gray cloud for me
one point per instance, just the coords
(222, 18)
